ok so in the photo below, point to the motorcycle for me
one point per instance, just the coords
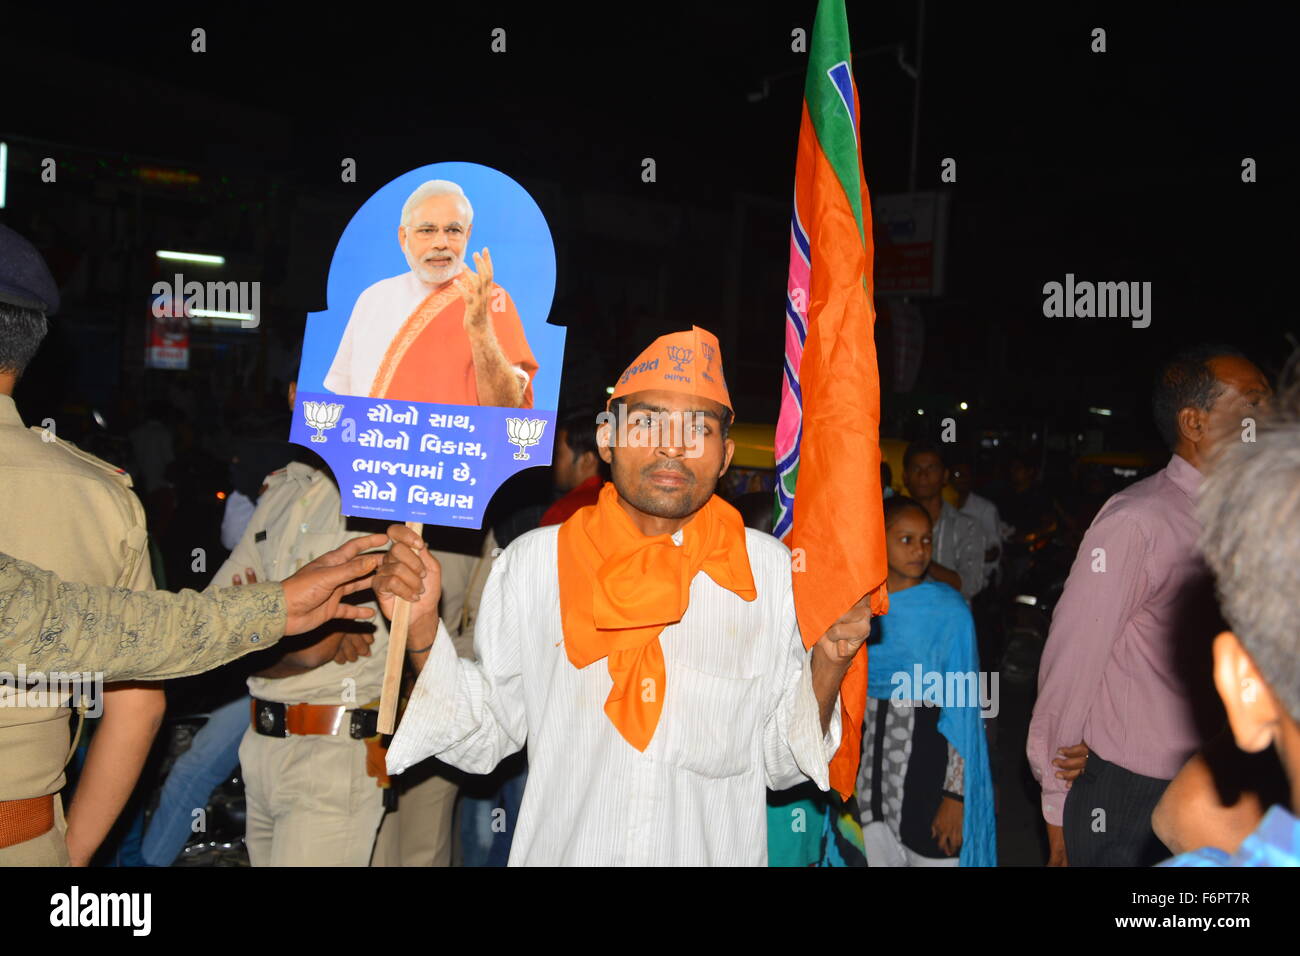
(1038, 566)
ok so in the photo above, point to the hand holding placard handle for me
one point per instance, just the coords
(396, 656)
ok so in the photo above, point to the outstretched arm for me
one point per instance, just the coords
(52, 625)
(469, 713)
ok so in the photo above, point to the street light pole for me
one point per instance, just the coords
(916, 94)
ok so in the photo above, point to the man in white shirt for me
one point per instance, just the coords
(658, 703)
(985, 513)
(958, 539)
(439, 333)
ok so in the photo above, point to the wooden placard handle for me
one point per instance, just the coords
(392, 688)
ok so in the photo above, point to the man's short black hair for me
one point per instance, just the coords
(895, 505)
(961, 455)
(1186, 381)
(21, 333)
(922, 447)
(1023, 457)
(1249, 505)
(579, 427)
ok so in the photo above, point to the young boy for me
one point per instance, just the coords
(924, 784)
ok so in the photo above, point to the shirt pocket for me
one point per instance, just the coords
(710, 722)
(309, 546)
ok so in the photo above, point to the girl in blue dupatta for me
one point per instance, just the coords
(924, 787)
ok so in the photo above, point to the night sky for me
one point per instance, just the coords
(1122, 166)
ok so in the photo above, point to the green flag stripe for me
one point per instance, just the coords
(831, 121)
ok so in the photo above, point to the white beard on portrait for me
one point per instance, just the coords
(430, 272)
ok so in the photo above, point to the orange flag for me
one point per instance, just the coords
(829, 505)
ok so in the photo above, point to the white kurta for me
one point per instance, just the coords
(739, 716)
(379, 312)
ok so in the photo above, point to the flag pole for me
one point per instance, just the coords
(916, 96)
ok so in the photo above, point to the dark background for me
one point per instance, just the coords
(1117, 166)
(1122, 166)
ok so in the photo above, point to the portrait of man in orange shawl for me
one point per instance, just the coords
(441, 332)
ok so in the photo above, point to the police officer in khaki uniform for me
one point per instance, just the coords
(310, 798)
(314, 778)
(75, 515)
(67, 511)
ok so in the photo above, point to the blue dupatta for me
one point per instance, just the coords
(930, 625)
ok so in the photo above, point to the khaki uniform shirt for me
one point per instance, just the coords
(71, 513)
(297, 520)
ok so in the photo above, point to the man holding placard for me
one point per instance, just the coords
(647, 649)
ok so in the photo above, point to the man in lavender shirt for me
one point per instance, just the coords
(1126, 668)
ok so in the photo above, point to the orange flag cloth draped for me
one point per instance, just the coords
(829, 505)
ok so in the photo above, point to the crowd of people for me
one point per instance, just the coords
(615, 675)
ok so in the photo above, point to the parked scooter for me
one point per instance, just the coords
(1038, 565)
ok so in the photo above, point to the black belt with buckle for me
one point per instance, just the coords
(275, 719)
(363, 724)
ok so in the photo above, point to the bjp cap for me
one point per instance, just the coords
(688, 362)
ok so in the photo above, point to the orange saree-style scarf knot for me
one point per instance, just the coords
(620, 588)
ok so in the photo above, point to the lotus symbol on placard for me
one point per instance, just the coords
(524, 432)
(320, 416)
(679, 355)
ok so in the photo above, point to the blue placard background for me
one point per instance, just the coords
(509, 223)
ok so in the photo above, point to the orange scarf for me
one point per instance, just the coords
(620, 588)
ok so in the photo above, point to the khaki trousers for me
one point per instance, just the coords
(419, 831)
(310, 801)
